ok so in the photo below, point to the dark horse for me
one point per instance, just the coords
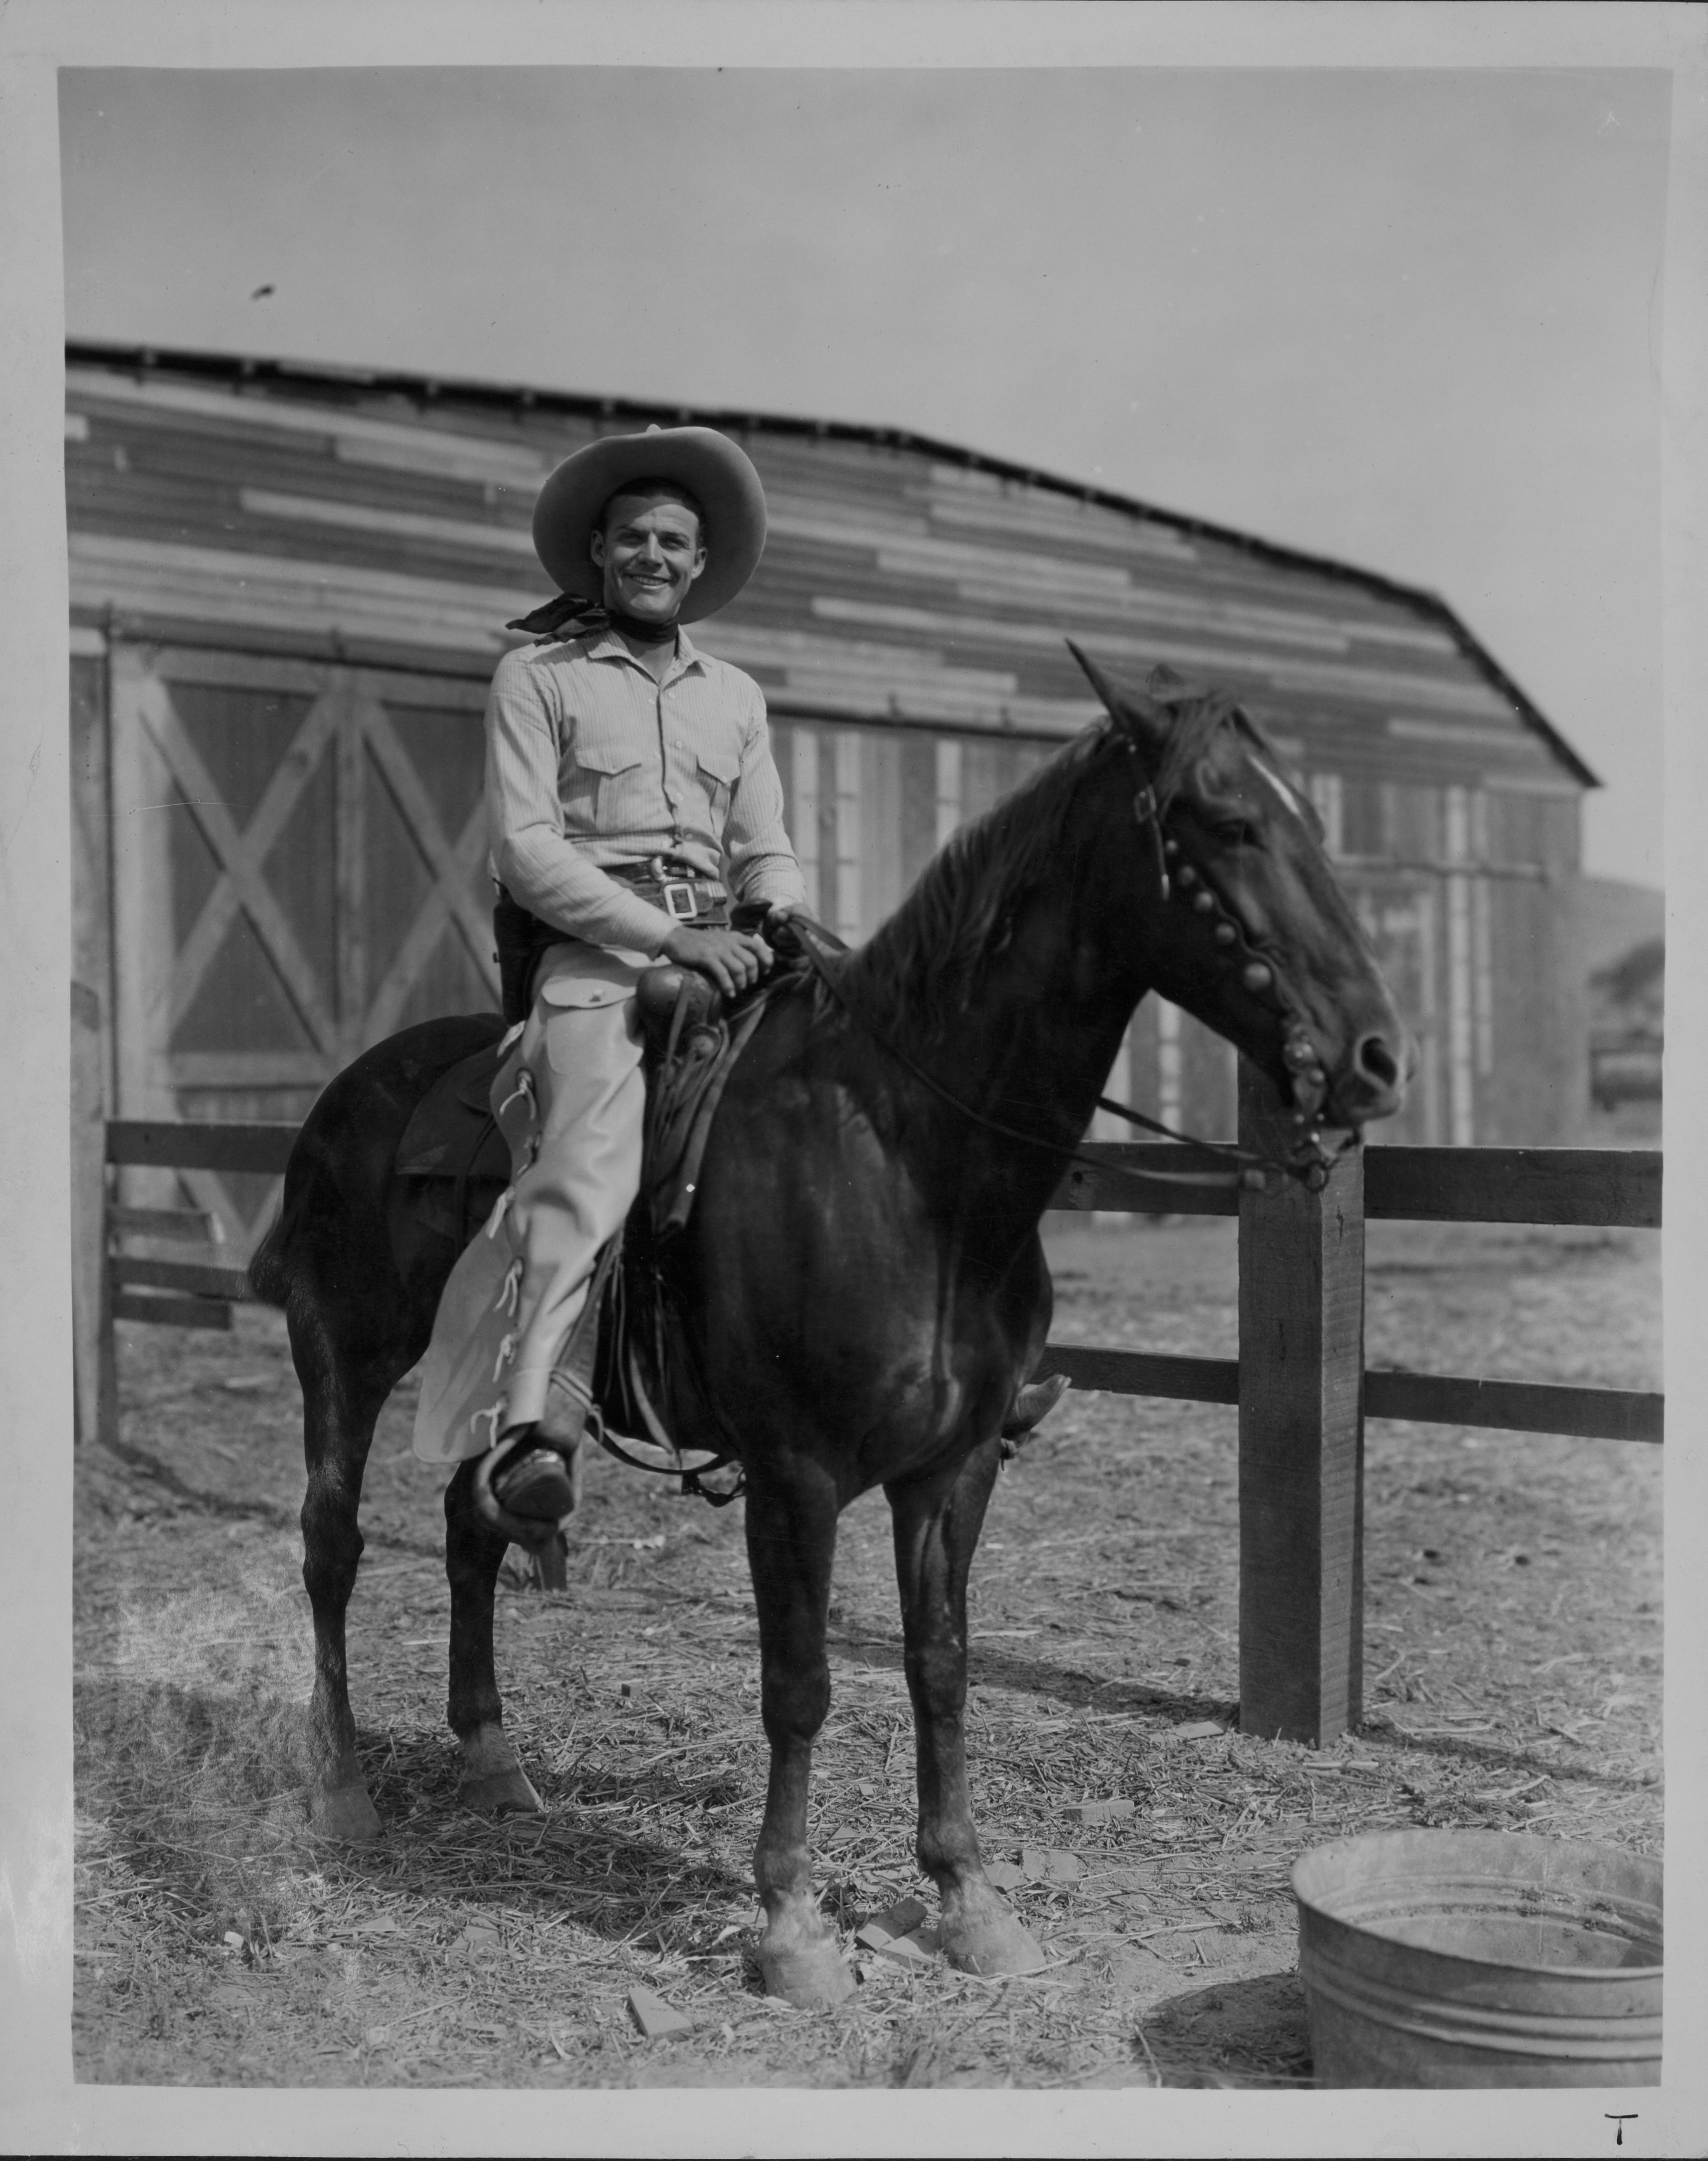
(862, 1288)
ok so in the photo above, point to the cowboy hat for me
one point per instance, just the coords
(717, 472)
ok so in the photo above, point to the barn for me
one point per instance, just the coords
(288, 585)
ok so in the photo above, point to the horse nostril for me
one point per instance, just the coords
(1374, 1061)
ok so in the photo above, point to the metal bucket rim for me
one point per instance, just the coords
(1310, 1897)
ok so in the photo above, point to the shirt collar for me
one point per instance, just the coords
(608, 645)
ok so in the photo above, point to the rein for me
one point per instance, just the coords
(1253, 1177)
(1311, 1162)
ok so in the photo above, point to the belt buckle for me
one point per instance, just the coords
(679, 901)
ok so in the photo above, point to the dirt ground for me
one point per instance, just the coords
(1513, 1651)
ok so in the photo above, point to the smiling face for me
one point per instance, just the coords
(649, 552)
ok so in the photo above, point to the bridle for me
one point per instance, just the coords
(1311, 1159)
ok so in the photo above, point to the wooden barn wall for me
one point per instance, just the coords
(895, 584)
(306, 594)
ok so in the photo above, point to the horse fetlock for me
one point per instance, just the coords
(493, 1780)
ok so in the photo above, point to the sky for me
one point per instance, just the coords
(1406, 319)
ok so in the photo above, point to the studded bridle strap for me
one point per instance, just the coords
(1299, 1053)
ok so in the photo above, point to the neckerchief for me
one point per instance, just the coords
(567, 615)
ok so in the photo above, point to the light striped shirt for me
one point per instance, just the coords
(592, 761)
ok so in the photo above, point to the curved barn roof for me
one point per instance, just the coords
(906, 580)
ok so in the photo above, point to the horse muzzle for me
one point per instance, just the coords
(1372, 1081)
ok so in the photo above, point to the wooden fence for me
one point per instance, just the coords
(1300, 1384)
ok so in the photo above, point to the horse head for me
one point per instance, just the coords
(1244, 924)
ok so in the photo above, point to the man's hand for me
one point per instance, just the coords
(733, 959)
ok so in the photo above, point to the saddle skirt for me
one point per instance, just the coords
(453, 1140)
(458, 1160)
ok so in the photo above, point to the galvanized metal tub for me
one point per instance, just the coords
(1444, 1958)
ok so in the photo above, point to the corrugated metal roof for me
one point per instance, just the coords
(905, 579)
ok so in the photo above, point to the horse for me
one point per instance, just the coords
(861, 1290)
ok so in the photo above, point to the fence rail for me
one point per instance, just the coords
(1300, 1384)
(1599, 1187)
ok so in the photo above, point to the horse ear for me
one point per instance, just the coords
(1129, 709)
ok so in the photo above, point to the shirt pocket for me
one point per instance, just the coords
(719, 769)
(601, 780)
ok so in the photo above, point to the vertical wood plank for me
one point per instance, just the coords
(94, 1378)
(804, 808)
(1106, 1126)
(848, 919)
(880, 829)
(350, 857)
(1425, 1021)
(1460, 1088)
(918, 805)
(142, 918)
(1301, 1441)
(949, 786)
(93, 1372)
(1168, 1069)
(141, 789)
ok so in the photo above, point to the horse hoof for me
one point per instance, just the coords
(344, 1812)
(996, 1944)
(501, 1794)
(812, 1977)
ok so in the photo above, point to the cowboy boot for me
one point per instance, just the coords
(533, 1478)
(525, 1490)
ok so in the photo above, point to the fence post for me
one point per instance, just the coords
(1301, 1440)
(94, 1383)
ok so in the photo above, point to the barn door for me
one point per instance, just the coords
(1401, 915)
(297, 872)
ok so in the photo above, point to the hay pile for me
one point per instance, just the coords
(1512, 1650)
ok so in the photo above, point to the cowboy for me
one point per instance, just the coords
(627, 771)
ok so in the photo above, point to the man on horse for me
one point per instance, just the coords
(627, 772)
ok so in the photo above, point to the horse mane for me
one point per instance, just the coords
(923, 965)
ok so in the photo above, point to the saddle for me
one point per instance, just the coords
(458, 1162)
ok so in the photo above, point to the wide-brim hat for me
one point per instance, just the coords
(717, 471)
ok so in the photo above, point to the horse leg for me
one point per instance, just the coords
(492, 1775)
(791, 1543)
(936, 1525)
(341, 1404)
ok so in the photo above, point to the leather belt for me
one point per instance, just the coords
(679, 890)
(521, 938)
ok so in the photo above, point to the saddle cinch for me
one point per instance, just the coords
(453, 1147)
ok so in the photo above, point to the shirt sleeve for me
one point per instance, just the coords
(537, 864)
(762, 863)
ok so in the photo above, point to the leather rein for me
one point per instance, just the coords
(1249, 1169)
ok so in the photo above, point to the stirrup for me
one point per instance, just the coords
(533, 1534)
